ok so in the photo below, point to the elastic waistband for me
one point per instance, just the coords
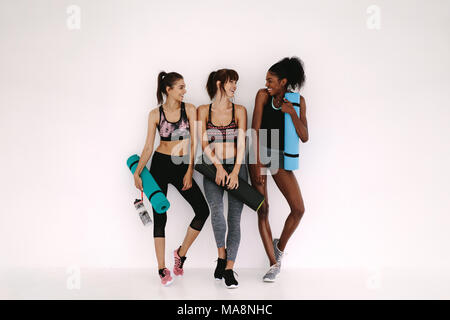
(230, 162)
(184, 159)
(228, 159)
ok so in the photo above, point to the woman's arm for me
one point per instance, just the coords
(260, 101)
(191, 112)
(148, 147)
(202, 116)
(241, 117)
(300, 123)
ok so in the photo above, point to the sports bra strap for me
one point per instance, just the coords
(183, 110)
(209, 113)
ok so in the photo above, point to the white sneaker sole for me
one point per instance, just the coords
(268, 280)
(233, 286)
(168, 283)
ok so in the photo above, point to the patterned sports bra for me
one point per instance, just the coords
(228, 133)
(172, 131)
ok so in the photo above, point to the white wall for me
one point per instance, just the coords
(374, 174)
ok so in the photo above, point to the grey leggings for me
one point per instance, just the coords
(214, 196)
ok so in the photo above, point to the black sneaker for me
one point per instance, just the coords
(220, 268)
(230, 280)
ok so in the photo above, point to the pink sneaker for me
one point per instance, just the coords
(179, 261)
(166, 279)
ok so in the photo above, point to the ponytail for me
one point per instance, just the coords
(222, 75)
(166, 80)
(211, 85)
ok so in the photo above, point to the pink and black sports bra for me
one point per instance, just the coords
(228, 133)
(172, 131)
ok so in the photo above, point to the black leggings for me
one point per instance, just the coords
(171, 169)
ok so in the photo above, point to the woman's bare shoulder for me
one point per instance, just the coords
(240, 108)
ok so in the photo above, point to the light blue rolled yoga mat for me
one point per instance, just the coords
(291, 143)
(151, 189)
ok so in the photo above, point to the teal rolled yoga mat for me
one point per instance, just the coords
(151, 189)
(244, 192)
(291, 140)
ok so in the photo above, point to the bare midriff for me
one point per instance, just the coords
(175, 148)
(224, 150)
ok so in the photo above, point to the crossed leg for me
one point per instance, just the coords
(288, 185)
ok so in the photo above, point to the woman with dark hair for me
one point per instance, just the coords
(270, 109)
(223, 126)
(173, 162)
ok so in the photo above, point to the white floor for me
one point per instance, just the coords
(60, 283)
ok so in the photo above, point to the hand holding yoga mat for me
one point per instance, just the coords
(151, 189)
(291, 143)
(245, 193)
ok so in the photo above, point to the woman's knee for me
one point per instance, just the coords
(234, 223)
(159, 224)
(203, 217)
(263, 211)
(297, 212)
(215, 209)
(202, 211)
(159, 230)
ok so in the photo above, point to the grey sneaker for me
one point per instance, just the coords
(278, 253)
(270, 275)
